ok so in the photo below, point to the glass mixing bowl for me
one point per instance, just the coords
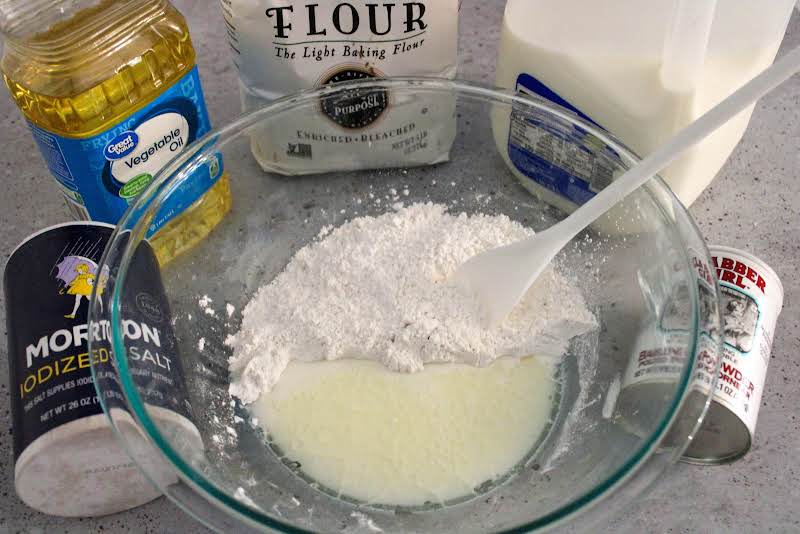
(631, 394)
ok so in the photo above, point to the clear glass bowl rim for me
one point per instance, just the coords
(136, 219)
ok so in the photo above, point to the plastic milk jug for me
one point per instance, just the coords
(641, 70)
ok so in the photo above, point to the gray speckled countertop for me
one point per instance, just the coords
(754, 204)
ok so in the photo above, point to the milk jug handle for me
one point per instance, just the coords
(686, 44)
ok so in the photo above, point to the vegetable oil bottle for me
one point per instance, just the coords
(111, 93)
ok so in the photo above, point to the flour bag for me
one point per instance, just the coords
(283, 46)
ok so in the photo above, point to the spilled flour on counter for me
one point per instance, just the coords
(378, 288)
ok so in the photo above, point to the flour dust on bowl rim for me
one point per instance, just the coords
(639, 270)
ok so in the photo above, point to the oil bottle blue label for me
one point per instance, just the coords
(101, 175)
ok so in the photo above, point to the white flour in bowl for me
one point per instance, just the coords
(378, 288)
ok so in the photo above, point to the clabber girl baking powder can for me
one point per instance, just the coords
(751, 299)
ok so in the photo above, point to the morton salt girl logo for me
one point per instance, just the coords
(78, 274)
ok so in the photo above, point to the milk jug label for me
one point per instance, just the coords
(101, 175)
(553, 157)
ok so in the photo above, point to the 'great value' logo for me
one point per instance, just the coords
(121, 145)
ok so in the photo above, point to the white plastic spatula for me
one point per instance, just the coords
(501, 276)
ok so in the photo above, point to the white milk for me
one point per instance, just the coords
(391, 438)
(606, 62)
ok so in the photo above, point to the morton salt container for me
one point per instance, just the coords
(67, 460)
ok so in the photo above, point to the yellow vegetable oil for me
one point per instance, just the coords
(111, 93)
